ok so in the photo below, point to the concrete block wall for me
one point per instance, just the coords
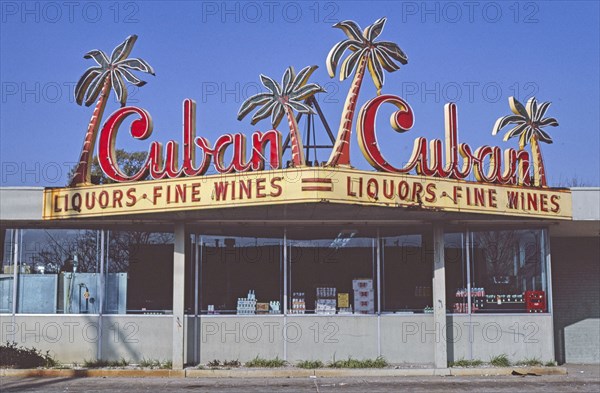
(69, 338)
(404, 339)
(75, 338)
(576, 300)
(482, 337)
(400, 339)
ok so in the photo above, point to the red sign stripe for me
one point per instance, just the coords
(316, 180)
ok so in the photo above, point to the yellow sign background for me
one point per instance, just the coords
(305, 185)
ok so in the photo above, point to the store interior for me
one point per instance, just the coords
(317, 269)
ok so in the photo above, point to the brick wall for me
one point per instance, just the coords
(576, 290)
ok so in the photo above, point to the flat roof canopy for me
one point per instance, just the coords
(22, 208)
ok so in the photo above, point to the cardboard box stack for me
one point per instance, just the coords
(298, 303)
(247, 305)
(364, 297)
(326, 300)
(262, 308)
(275, 307)
(343, 302)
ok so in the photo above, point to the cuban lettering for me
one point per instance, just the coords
(160, 165)
(447, 159)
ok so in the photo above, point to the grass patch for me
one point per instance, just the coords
(310, 364)
(12, 356)
(530, 362)
(214, 363)
(465, 363)
(155, 363)
(60, 366)
(99, 363)
(95, 363)
(225, 363)
(550, 363)
(378, 362)
(500, 361)
(150, 363)
(266, 363)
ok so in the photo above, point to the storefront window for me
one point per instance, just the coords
(406, 275)
(501, 271)
(58, 271)
(509, 271)
(241, 275)
(6, 274)
(327, 271)
(139, 273)
(332, 271)
(455, 255)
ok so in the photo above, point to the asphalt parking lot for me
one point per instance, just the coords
(584, 378)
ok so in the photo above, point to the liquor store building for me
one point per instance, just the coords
(313, 279)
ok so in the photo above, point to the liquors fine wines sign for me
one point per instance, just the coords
(435, 176)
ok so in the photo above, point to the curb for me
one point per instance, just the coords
(482, 371)
(98, 373)
(281, 373)
(384, 372)
(247, 373)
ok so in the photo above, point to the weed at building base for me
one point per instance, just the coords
(21, 357)
(533, 362)
(266, 363)
(500, 361)
(465, 363)
(310, 364)
(378, 362)
(100, 363)
(225, 364)
(155, 363)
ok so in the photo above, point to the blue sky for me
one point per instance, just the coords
(474, 53)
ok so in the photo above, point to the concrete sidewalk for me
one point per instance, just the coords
(585, 378)
(284, 372)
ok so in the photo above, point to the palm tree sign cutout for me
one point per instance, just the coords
(284, 99)
(365, 53)
(97, 81)
(529, 121)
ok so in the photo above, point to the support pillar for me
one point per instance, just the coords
(178, 297)
(439, 297)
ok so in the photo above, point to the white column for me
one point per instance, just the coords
(286, 255)
(15, 257)
(100, 293)
(197, 304)
(377, 244)
(178, 297)
(285, 273)
(439, 297)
